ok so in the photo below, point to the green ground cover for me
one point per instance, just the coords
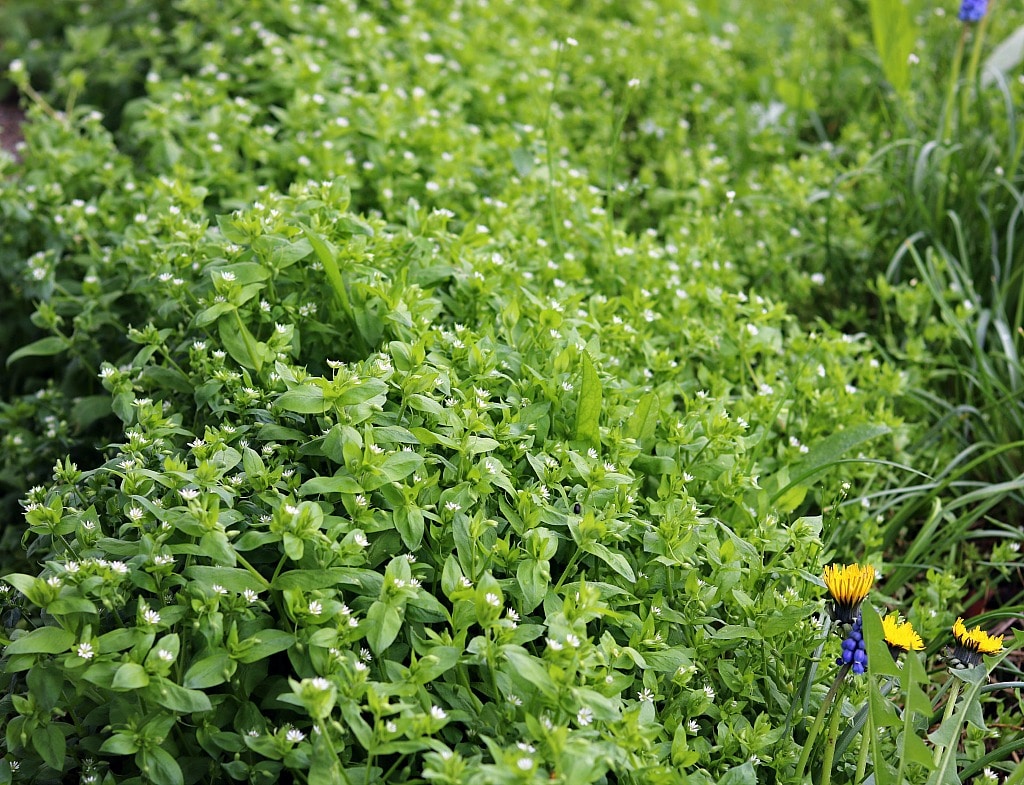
(474, 392)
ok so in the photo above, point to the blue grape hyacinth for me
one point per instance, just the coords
(972, 10)
(853, 651)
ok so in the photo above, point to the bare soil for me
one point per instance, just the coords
(11, 118)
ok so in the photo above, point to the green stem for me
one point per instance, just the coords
(830, 745)
(954, 693)
(548, 148)
(263, 581)
(947, 122)
(972, 66)
(568, 569)
(280, 566)
(862, 760)
(609, 193)
(954, 80)
(819, 721)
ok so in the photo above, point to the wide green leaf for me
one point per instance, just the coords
(45, 640)
(588, 407)
(44, 347)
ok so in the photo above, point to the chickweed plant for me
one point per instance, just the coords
(392, 400)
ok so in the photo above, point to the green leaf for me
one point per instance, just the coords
(45, 683)
(529, 669)
(130, 676)
(263, 644)
(732, 632)
(400, 465)
(231, 578)
(409, 522)
(90, 408)
(894, 32)
(209, 671)
(159, 766)
(23, 583)
(739, 775)
(308, 399)
(120, 744)
(241, 344)
(175, 697)
(383, 623)
(44, 347)
(613, 559)
(533, 577)
(45, 640)
(342, 482)
(51, 745)
(522, 160)
(588, 408)
(644, 420)
(364, 391)
(328, 258)
(310, 580)
(828, 452)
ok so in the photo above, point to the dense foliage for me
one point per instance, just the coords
(474, 393)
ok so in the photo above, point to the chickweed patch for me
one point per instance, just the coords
(393, 400)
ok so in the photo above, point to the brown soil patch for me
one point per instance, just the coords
(11, 118)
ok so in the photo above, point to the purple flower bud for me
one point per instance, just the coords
(972, 10)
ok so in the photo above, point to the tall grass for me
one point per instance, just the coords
(952, 302)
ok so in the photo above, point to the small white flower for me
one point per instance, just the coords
(515, 700)
(693, 727)
(452, 506)
(250, 596)
(85, 651)
(360, 540)
(320, 683)
(572, 640)
(492, 599)
(165, 655)
(316, 607)
(218, 590)
(554, 645)
(438, 713)
(150, 616)
(709, 692)
(584, 716)
(645, 695)
(294, 735)
(465, 582)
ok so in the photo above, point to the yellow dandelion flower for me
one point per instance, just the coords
(971, 644)
(849, 585)
(900, 635)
